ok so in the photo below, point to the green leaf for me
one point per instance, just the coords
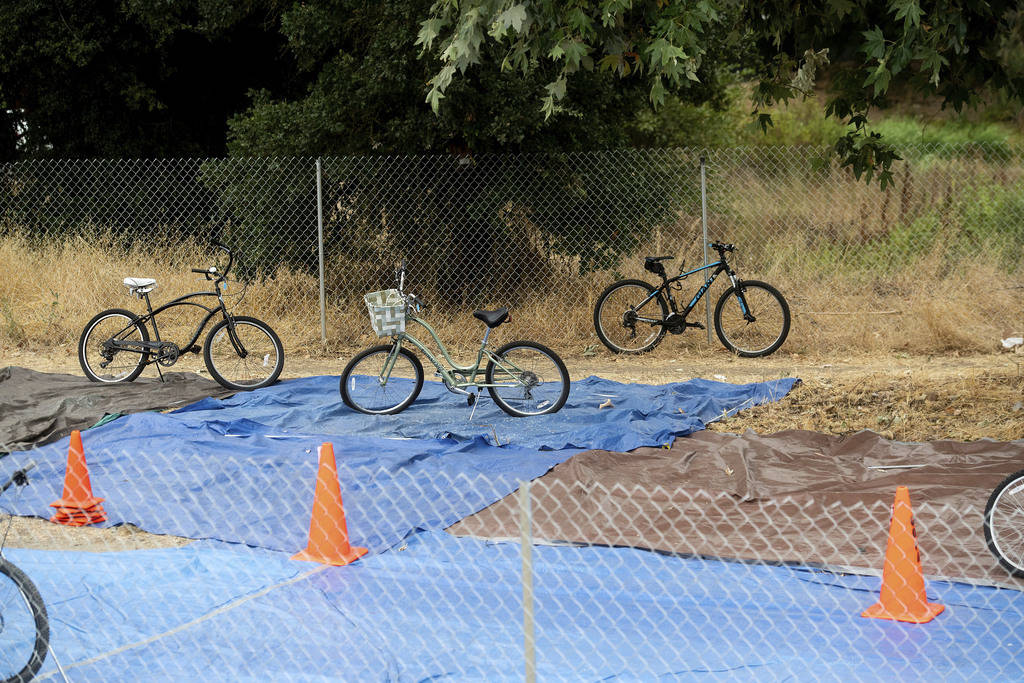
(909, 11)
(657, 93)
(429, 30)
(514, 17)
(874, 43)
(556, 89)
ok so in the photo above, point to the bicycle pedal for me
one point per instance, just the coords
(193, 349)
(471, 399)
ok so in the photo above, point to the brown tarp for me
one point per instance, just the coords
(793, 497)
(37, 408)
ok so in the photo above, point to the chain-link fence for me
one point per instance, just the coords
(577, 582)
(932, 262)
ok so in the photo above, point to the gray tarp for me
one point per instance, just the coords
(794, 496)
(37, 408)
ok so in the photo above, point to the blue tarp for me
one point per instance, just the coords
(441, 607)
(243, 469)
(642, 414)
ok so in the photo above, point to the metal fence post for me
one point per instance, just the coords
(526, 551)
(320, 244)
(704, 227)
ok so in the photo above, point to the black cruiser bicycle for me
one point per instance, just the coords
(632, 316)
(240, 352)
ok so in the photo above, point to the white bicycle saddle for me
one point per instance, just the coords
(139, 285)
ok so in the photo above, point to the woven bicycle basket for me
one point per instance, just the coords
(387, 312)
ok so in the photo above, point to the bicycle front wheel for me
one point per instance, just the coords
(24, 626)
(752, 319)
(525, 378)
(1004, 523)
(374, 384)
(628, 316)
(254, 358)
(100, 360)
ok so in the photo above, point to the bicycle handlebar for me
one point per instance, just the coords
(720, 247)
(212, 273)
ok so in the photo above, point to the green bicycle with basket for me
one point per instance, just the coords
(523, 377)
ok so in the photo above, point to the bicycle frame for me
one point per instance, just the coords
(185, 300)
(720, 266)
(471, 371)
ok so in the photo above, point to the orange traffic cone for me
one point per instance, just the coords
(328, 533)
(77, 507)
(903, 596)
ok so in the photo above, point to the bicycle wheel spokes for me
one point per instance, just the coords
(1005, 522)
(761, 336)
(263, 358)
(371, 388)
(99, 359)
(527, 380)
(24, 629)
(620, 317)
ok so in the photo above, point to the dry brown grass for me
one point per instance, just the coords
(50, 290)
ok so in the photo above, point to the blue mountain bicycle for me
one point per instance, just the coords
(632, 316)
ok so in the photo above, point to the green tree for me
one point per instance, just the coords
(138, 78)
(462, 209)
(954, 50)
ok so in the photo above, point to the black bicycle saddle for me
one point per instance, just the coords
(492, 318)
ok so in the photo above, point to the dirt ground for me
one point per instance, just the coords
(900, 396)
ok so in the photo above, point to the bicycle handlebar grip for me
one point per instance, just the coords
(199, 270)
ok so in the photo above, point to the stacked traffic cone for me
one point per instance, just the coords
(77, 507)
(903, 596)
(328, 533)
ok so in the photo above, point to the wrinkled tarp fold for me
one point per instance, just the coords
(792, 496)
(37, 408)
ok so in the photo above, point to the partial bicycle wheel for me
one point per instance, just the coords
(752, 319)
(253, 359)
(24, 626)
(624, 317)
(100, 361)
(1004, 523)
(525, 378)
(370, 386)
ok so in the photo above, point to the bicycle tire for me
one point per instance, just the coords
(769, 308)
(525, 380)
(374, 400)
(97, 331)
(611, 316)
(1004, 523)
(23, 611)
(261, 345)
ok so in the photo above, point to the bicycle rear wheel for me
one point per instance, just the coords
(261, 359)
(527, 379)
(1004, 523)
(367, 385)
(618, 313)
(24, 626)
(758, 330)
(99, 361)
